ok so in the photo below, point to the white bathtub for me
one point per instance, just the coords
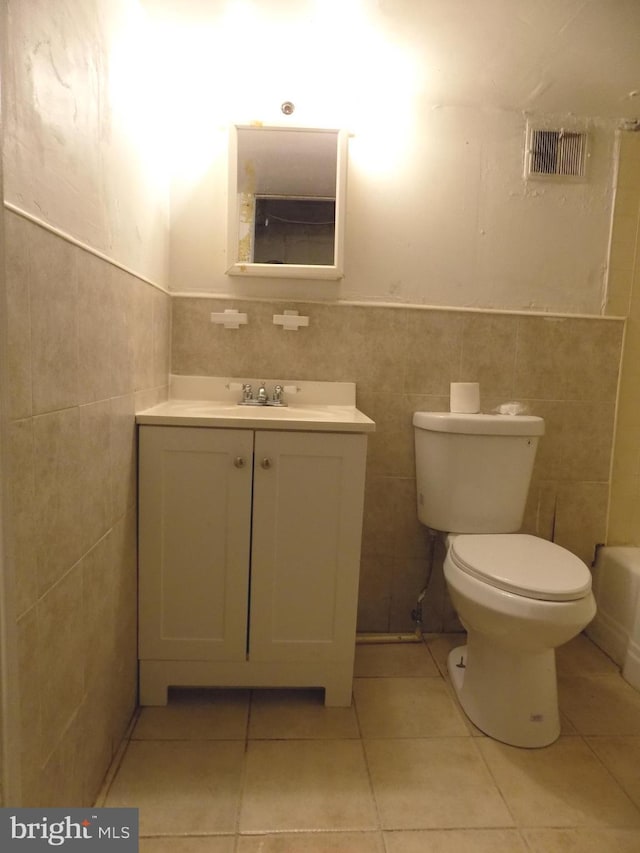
(616, 627)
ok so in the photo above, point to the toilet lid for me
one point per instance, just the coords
(522, 564)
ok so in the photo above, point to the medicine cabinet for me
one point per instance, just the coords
(286, 202)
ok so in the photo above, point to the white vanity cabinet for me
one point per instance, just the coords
(249, 558)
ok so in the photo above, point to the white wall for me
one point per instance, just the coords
(83, 144)
(438, 211)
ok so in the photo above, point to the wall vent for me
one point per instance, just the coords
(556, 154)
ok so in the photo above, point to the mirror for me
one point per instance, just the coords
(286, 202)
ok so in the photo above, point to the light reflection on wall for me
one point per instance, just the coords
(329, 57)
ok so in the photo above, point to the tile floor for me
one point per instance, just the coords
(401, 771)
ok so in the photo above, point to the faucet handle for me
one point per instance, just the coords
(277, 393)
(247, 392)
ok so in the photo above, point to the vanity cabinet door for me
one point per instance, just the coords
(195, 521)
(307, 522)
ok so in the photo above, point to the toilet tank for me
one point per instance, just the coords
(473, 471)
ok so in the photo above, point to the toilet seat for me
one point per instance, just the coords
(522, 564)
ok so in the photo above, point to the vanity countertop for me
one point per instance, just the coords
(213, 402)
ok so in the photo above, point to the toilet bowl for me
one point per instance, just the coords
(519, 597)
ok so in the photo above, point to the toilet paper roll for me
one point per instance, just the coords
(464, 397)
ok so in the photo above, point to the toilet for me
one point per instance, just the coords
(519, 597)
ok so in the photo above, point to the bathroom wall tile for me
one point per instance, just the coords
(121, 700)
(60, 653)
(409, 576)
(375, 343)
(581, 518)
(489, 354)
(587, 441)
(95, 313)
(54, 322)
(196, 714)
(21, 478)
(374, 593)
(193, 336)
(97, 612)
(178, 784)
(540, 358)
(379, 522)
(58, 504)
(411, 537)
(455, 841)
(141, 307)
(63, 774)
(433, 783)
(582, 840)
(123, 455)
(406, 708)
(122, 329)
(161, 337)
(561, 785)
(433, 351)
(290, 785)
(540, 511)
(299, 714)
(592, 352)
(17, 278)
(93, 475)
(32, 740)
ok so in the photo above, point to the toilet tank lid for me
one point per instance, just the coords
(479, 424)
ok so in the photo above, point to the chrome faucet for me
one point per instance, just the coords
(262, 394)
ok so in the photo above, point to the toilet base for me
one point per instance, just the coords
(512, 697)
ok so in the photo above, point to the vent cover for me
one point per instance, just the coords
(556, 154)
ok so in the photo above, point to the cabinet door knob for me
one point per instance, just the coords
(266, 463)
(239, 462)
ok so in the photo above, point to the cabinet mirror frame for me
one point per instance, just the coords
(241, 267)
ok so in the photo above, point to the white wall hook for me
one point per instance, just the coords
(230, 318)
(290, 320)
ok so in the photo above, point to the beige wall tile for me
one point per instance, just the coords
(489, 354)
(18, 283)
(141, 308)
(123, 455)
(21, 506)
(54, 322)
(433, 351)
(60, 653)
(580, 521)
(95, 310)
(582, 840)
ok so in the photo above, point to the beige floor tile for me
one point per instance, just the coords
(315, 842)
(393, 660)
(582, 657)
(433, 783)
(299, 714)
(621, 756)
(181, 786)
(196, 715)
(201, 844)
(306, 785)
(406, 707)
(561, 785)
(455, 841)
(582, 840)
(600, 704)
(441, 644)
